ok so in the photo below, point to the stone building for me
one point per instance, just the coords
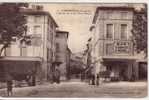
(41, 28)
(112, 48)
(68, 57)
(62, 52)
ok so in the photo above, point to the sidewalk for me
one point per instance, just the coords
(81, 89)
(126, 84)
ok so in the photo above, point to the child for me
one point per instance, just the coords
(9, 87)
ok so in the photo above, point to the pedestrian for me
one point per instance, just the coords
(9, 87)
(93, 75)
(112, 76)
(93, 79)
(57, 76)
(97, 80)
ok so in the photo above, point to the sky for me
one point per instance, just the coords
(76, 19)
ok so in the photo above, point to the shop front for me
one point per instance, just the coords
(121, 69)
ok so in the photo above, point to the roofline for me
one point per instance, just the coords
(38, 12)
(110, 8)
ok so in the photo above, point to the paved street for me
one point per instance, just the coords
(82, 89)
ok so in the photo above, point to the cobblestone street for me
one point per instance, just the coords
(82, 89)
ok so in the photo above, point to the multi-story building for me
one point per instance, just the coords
(41, 28)
(62, 53)
(112, 48)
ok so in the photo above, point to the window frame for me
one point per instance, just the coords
(107, 31)
(126, 14)
(36, 19)
(22, 49)
(57, 45)
(36, 30)
(126, 36)
(111, 49)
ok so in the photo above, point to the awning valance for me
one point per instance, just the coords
(20, 58)
(121, 58)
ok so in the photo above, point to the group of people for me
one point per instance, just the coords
(94, 79)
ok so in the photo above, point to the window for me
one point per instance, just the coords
(57, 47)
(57, 57)
(23, 51)
(124, 15)
(48, 36)
(39, 7)
(57, 35)
(51, 26)
(48, 54)
(109, 49)
(109, 31)
(37, 19)
(109, 14)
(37, 29)
(27, 29)
(8, 51)
(123, 31)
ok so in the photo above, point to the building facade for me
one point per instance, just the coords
(112, 48)
(62, 53)
(41, 30)
(68, 57)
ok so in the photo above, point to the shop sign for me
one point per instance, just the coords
(122, 47)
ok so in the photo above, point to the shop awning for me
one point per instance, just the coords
(119, 58)
(56, 62)
(20, 58)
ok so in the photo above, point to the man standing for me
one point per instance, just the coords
(9, 85)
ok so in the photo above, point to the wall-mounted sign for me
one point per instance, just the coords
(122, 47)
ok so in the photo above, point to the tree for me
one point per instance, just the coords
(139, 31)
(12, 23)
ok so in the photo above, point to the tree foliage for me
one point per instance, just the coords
(140, 30)
(76, 67)
(12, 23)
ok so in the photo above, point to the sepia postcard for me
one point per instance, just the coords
(73, 50)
